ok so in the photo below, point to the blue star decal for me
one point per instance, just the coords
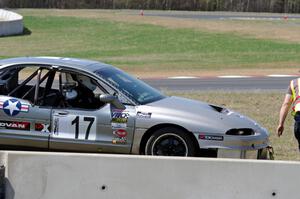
(12, 107)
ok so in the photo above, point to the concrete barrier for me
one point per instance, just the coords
(10, 23)
(67, 175)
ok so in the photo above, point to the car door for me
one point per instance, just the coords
(89, 125)
(22, 124)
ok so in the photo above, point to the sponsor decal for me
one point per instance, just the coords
(13, 107)
(120, 133)
(211, 137)
(45, 128)
(119, 116)
(144, 115)
(114, 141)
(119, 141)
(119, 125)
(15, 125)
(119, 119)
(120, 136)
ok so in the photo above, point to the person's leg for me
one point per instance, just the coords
(297, 132)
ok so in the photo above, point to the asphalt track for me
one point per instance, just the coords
(205, 84)
(232, 84)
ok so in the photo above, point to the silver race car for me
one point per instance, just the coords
(65, 104)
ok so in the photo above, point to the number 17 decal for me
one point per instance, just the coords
(75, 127)
(76, 122)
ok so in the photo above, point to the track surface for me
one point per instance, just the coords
(200, 84)
(253, 83)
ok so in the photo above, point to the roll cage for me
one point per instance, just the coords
(44, 86)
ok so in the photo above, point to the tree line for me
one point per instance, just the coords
(279, 6)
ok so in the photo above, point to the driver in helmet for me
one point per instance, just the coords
(80, 94)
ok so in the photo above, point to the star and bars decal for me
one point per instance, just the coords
(13, 107)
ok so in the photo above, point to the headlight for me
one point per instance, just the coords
(240, 132)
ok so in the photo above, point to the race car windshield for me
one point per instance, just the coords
(130, 86)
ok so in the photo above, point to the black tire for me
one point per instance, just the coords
(170, 141)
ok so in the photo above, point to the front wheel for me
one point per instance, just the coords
(170, 141)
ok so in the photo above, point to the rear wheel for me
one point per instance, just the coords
(170, 141)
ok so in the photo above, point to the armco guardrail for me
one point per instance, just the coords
(66, 175)
(10, 23)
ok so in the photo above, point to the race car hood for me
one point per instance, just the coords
(192, 115)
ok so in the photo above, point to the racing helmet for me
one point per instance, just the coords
(68, 86)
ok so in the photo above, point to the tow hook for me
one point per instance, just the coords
(270, 152)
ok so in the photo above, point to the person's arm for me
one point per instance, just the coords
(283, 113)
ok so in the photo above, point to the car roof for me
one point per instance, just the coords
(80, 64)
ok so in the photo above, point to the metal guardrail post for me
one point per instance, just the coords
(2, 182)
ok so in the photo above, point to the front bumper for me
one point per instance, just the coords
(266, 153)
(253, 142)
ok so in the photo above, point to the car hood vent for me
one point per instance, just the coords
(217, 108)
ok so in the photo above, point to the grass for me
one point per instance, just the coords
(260, 106)
(285, 30)
(141, 48)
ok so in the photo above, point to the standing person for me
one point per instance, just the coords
(292, 97)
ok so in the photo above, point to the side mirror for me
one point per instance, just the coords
(107, 98)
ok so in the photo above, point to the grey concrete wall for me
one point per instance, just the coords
(10, 23)
(85, 176)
